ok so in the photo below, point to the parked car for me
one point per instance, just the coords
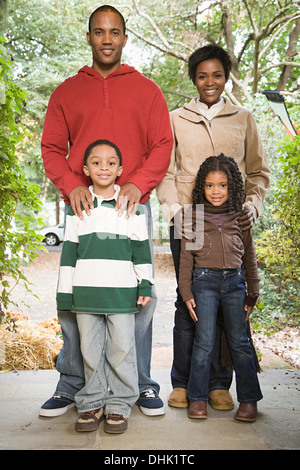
(53, 235)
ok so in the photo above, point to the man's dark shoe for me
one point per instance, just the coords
(150, 404)
(56, 406)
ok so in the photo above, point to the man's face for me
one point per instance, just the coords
(107, 41)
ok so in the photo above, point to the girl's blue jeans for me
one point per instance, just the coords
(227, 287)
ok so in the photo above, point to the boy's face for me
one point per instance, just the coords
(103, 167)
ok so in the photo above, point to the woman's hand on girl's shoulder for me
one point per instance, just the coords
(246, 220)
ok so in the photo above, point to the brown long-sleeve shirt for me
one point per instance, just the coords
(217, 247)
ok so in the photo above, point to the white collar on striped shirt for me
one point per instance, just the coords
(100, 198)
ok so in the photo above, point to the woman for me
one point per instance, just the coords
(208, 125)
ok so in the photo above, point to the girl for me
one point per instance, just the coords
(211, 273)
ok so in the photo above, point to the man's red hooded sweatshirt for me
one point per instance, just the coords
(126, 108)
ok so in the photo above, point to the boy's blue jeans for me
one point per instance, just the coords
(108, 350)
(211, 286)
(69, 362)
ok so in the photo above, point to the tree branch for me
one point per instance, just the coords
(167, 47)
(279, 64)
(165, 50)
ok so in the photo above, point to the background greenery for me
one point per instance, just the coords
(45, 43)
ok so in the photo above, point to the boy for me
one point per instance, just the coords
(105, 274)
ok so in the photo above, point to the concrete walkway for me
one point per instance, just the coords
(23, 392)
(277, 426)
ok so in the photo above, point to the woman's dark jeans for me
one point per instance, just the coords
(211, 287)
(183, 339)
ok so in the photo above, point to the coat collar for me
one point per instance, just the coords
(191, 112)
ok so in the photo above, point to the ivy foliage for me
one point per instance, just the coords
(16, 247)
(278, 247)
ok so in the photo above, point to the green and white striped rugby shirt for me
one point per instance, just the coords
(105, 262)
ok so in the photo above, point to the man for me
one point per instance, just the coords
(114, 102)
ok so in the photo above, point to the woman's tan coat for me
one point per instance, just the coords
(232, 132)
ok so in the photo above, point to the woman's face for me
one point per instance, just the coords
(210, 81)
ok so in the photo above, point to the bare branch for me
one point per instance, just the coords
(152, 23)
(268, 45)
(165, 50)
(242, 85)
(177, 93)
(167, 47)
(279, 64)
(249, 11)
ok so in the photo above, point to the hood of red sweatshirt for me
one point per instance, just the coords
(123, 70)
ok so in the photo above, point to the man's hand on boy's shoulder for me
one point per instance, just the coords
(78, 196)
(131, 194)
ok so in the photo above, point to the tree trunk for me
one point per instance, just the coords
(226, 21)
(291, 52)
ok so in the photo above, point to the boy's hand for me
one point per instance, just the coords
(191, 304)
(249, 310)
(142, 301)
(131, 194)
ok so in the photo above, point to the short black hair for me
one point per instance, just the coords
(102, 142)
(211, 51)
(236, 188)
(107, 8)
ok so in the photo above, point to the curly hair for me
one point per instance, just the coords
(236, 191)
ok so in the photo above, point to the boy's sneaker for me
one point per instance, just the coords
(115, 423)
(89, 420)
(150, 404)
(56, 406)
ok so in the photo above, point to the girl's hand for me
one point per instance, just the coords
(142, 301)
(191, 304)
(249, 310)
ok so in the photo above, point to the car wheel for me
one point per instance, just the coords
(51, 239)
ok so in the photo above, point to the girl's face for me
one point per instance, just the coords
(210, 81)
(216, 188)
